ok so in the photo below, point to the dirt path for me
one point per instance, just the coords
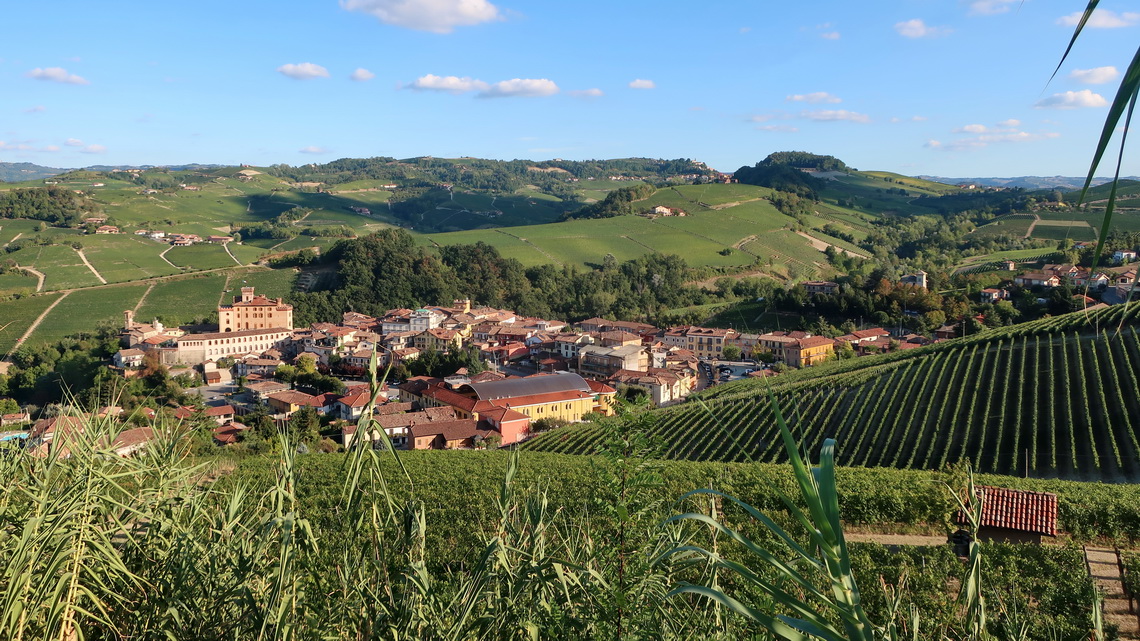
(730, 205)
(226, 246)
(38, 274)
(163, 257)
(822, 245)
(536, 247)
(1033, 224)
(138, 305)
(36, 324)
(14, 239)
(91, 267)
(1103, 568)
(895, 539)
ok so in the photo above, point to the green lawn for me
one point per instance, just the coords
(1063, 230)
(17, 315)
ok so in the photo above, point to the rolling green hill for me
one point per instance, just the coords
(1057, 397)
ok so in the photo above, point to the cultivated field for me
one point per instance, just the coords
(86, 310)
(1057, 397)
(17, 315)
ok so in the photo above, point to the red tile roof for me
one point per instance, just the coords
(1017, 510)
(220, 410)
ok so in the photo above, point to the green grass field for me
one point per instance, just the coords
(86, 310)
(61, 265)
(1016, 227)
(17, 315)
(17, 283)
(10, 228)
(184, 299)
(122, 257)
(1063, 230)
(201, 256)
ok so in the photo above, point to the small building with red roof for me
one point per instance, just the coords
(1014, 516)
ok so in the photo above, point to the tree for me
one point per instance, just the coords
(730, 353)
(304, 427)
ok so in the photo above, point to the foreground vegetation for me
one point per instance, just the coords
(366, 546)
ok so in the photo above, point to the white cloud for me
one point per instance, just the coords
(918, 29)
(1072, 100)
(587, 93)
(436, 16)
(779, 128)
(38, 109)
(1095, 76)
(813, 98)
(990, 7)
(641, 83)
(312, 149)
(362, 75)
(991, 136)
(1101, 19)
(1012, 122)
(15, 146)
(51, 148)
(73, 142)
(745, 29)
(971, 129)
(520, 87)
(932, 144)
(303, 71)
(918, 118)
(775, 115)
(451, 84)
(830, 35)
(835, 114)
(93, 149)
(56, 74)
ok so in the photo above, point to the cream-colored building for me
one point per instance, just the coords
(251, 311)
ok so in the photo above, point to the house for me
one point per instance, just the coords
(918, 279)
(260, 391)
(351, 405)
(1007, 265)
(290, 401)
(1037, 279)
(810, 351)
(992, 295)
(1124, 256)
(864, 336)
(221, 414)
(256, 365)
(448, 435)
(15, 418)
(131, 441)
(219, 240)
(664, 386)
(1014, 516)
(820, 287)
(128, 358)
(229, 433)
(603, 362)
(107, 229)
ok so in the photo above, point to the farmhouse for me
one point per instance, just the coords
(1037, 279)
(818, 287)
(107, 229)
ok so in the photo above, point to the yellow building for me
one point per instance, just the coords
(250, 311)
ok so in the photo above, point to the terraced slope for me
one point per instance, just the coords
(1058, 397)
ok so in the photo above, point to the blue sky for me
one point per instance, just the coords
(951, 88)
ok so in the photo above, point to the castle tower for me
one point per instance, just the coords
(128, 319)
(246, 294)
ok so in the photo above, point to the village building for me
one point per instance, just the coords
(596, 361)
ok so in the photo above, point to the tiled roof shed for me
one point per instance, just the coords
(1021, 510)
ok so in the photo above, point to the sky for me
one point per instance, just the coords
(956, 88)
